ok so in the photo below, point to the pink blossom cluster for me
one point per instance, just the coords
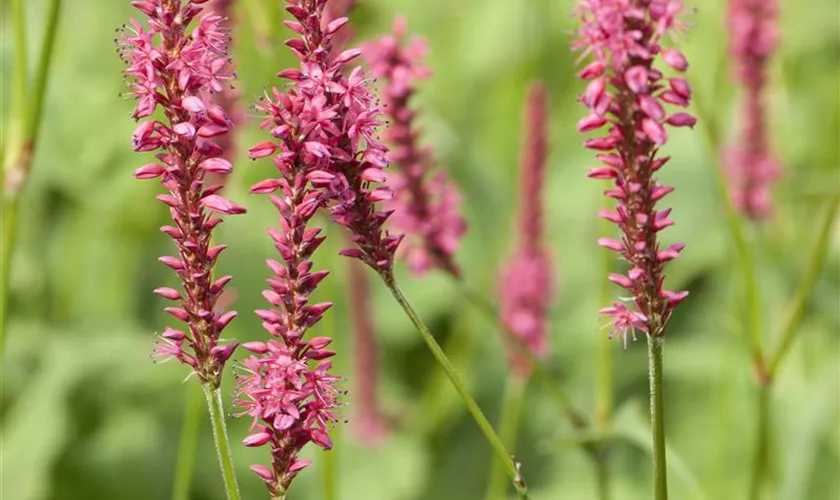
(327, 124)
(426, 204)
(751, 165)
(179, 69)
(525, 288)
(627, 93)
(327, 157)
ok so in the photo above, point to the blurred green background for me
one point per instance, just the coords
(87, 415)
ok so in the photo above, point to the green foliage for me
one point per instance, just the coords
(87, 415)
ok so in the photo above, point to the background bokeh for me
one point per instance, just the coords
(87, 415)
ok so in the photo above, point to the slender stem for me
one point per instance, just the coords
(19, 72)
(762, 443)
(541, 373)
(738, 234)
(190, 427)
(26, 116)
(329, 473)
(657, 418)
(496, 444)
(602, 472)
(217, 419)
(508, 426)
(36, 106)
(806, 287)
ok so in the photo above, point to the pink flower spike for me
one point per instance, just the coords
(425, 203)
(177, 60)
(622, 45)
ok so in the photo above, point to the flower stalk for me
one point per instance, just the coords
(21, 139)
(657, 418)
(506, 459)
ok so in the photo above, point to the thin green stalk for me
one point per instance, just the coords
(217, 419)
(36, 105)
(26, 115)
(540, 373)
(806, 287)
(762, 443)
(602, 473)
(512, 406)
(511, 468)
(19, 72)
(738, 234)
(657, 418)
(190, 427)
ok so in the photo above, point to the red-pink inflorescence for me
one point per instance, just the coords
(754, 33)
(179, 69)
(626, 93)
(229, 97)
(426, 204)
(325, 152)
(526, 289)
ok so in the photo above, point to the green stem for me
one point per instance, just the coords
(762, 443)
(540, 372)
(511, 468)
(217, 419)
(738, 234)
(806, 287)
(602, 472)
(26, 116)
(190, 427)
(508, 426)
(36, 106)
(657, 418)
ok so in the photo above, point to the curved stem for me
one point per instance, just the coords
(762, 443)
(806, 287)
(36, 106)
(217, 419)
(657, 418)
(190, 427)
(508, 427)
(496, 444)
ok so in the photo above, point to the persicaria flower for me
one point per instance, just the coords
(628, 94)
(525, 288)
(426, 204)
(323, 146)
(327, 121)
(180, 70)
(751, 166)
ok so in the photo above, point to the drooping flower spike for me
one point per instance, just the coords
(178, 66)
(628, 93)
(752, 167)
(525, 288)
(426, 204)
(326, 155)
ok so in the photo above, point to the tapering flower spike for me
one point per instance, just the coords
(323, 147)
(328, 121)
(178, 66)
(525, 289)
(752, 167)
(628, 93)
(426, 204)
